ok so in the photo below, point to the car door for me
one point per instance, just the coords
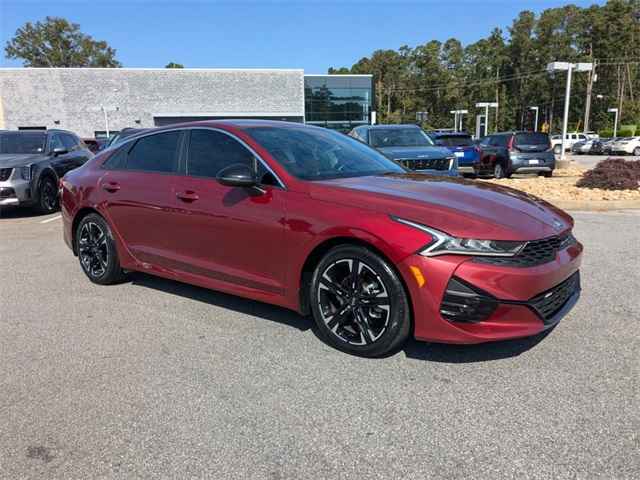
(76, 154)
(229, 234)
(487, 153)
(61, 162)
(137, 193)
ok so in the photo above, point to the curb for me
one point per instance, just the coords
(597, 205)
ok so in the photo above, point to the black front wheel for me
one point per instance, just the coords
(47, 196)
(359, 303)
(97, 251)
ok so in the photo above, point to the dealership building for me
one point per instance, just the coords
(94, 101)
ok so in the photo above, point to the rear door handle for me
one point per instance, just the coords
(187, 196)
(111, 187)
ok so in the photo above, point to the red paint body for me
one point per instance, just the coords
(255, 246)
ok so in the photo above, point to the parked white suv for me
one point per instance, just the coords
(570, 139)
(628, 145)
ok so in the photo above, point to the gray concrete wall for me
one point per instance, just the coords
(71, 98)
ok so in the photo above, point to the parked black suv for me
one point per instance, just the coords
(31, 162)
(503, 154)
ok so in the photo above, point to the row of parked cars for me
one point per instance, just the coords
(608, 146)
(456, 153)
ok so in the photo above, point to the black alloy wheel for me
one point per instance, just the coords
(48, 196)
(96, 251)
(359, 303)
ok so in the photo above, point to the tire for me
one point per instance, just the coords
(557, 149)
(372, 320)
(97, 251)
(500, 172)
(547, 174)
(47, 196)
(636, 151)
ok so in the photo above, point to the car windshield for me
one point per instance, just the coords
(320, 154)
(22, 142)
(399, 137)
(532, 139)
(454, 141)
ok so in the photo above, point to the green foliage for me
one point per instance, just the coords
(625, 132)
(58, 43)
(629, 128)
(613, 174)
(173, 65)
(510, 67)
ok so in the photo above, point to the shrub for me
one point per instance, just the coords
(613, 174)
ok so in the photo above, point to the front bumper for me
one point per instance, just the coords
(15, 191)
(523, 297)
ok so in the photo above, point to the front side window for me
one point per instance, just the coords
(22, 142)
(211, 151)
(318, 153)
(69, 142)
(155, 153)
(56, 142)
(399, 137)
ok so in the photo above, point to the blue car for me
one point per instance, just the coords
(462, 146)
(409, 146)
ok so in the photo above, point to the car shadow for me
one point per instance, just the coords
(431, 352)
(246, 306)
(482, 352)
(20, 212)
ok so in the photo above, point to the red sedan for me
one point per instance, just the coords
(315, 221)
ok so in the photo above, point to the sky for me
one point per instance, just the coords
(313, 35)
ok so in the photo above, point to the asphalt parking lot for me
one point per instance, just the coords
(156, 379)
(590, 161)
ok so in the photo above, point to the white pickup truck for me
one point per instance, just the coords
(570, 139)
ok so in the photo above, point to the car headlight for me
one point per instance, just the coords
(26, 172)
(444, 244)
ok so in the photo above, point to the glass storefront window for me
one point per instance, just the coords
(338, 101)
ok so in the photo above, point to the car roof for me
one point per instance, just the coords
(441, 133)
(392, 126)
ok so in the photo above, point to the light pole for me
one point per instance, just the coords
(486, 106)
(457, 118)
(535, 126)
(615, 121)
(569, 67)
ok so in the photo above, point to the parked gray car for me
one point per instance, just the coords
(31, 162)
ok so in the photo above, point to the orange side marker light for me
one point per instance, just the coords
(418, 275)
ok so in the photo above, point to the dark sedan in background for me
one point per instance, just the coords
(410, 146)
(31, 162)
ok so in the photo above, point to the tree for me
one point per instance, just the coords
(173, 65)
(58, 43)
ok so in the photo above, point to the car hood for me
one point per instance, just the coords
(410, 153)
(11, 160)
(470, 209)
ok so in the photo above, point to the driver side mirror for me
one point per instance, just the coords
(59, 151)
(237, 175)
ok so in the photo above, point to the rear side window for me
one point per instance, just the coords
(117, 160)
(532, 139)
(454, 141)
(211, 151)
(155, 153)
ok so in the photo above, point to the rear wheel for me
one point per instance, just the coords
(97, 251)
(557, 149)
(500, 172)
(359, 302)
(636, 151)
(47, 195)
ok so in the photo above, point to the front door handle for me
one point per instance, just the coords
(187, 196)
(111, 187)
